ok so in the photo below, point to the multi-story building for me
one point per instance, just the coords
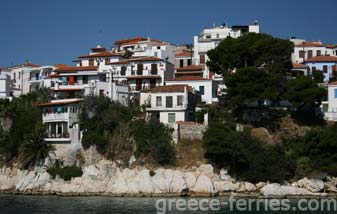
(142, 73)
(145, 47)
(326, 64)
(207, 88)
(304, 50)
(61, 120)
(171, 103)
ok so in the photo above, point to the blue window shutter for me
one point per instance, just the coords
(335, 93)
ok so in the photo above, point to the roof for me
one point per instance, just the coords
(63, 68)
(102, 54)
(60, 102)
(310, 44)
(138, 59)
(297, 65)
(130, 41)
(171, 88)
(144, 77)
(333, 83)
(188, 78)
(68, 89)
(322, 59)
(191, 68)
(331, 46)
(27, 64)
(183, 54)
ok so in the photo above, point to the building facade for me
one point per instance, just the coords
(329, 108)
(5, 79)
(326, 64)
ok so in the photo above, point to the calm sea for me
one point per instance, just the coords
(80, 205)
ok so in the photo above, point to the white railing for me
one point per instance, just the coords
(55, 116)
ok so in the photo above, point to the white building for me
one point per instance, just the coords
(304, 50)
(5, 85)
(330, 107)
(182, 59)
(145, 47)
(142, 73)
(171, 103)
(79, 81)
(207, 88)
(61, 120)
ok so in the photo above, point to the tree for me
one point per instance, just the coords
(154, 138)
(34, 150)
(305, 96)
(246, 157)
(258, 50)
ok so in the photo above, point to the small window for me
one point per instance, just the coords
(171, 117)
(202, 59)
(335, 93)
(189, 62)
(85, 79)
(309, 53)
(169, 103)
(325, 69)
(318, 53)
(158, 101)
(301, 54)
(123, 70)
(208, 36)
(181, 63)
(179, 100)
(158, 47)
(202, 90)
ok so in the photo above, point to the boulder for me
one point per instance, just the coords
(245, 187)
(312, 184)
(204, 185)
(275, 189)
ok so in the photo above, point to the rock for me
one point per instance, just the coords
(312, 185)
(260, 185)
(132, 160)
(245, 187)
(203, 185)
(228, 186)
(206, 169)
(225, 176)
(275, 189)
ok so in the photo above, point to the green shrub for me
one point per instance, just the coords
(246, 157)
(164, 153)
(66, 173)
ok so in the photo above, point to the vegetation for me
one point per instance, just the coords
(316, 151)
(154, 138)
(22, 136)
(245, 156)
(66, 173)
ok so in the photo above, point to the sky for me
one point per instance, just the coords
(49, 32)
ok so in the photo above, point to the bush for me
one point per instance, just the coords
(153, 137)
(66, 173)
(315, 151)
(246, 157)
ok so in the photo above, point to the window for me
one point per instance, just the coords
(156, 54)
(325, 69)
(309, 53)
(169, 102)
(181, 63)
(335, 93)
(301, 54)
(208, 36)
(123, 70)
(101, 93)
(179, 100)
(85, 79)
(189, 62)
(139, 69)
(202, 90)
(107, 60)
(158, 101)
(91, 62)
(154, 69)
(313, 68)
(158, 47)
(318, 53)
(202, 59)
(171, 117)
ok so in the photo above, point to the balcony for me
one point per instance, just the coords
(55, 116)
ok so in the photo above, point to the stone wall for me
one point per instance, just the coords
(191, 130)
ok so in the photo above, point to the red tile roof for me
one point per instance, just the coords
(144, 77)
(322, 59)
(310, 44)
(63, 68)
(188, 78)
(68, 89)
(331, 46)
(183, 54)
(102, 54)
(191, 68)
(171, 88)
(135, 40)
(138, 59)
(60, 102)
(297, 65)
(333, 83)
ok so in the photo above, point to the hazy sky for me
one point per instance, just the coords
(57, 31)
